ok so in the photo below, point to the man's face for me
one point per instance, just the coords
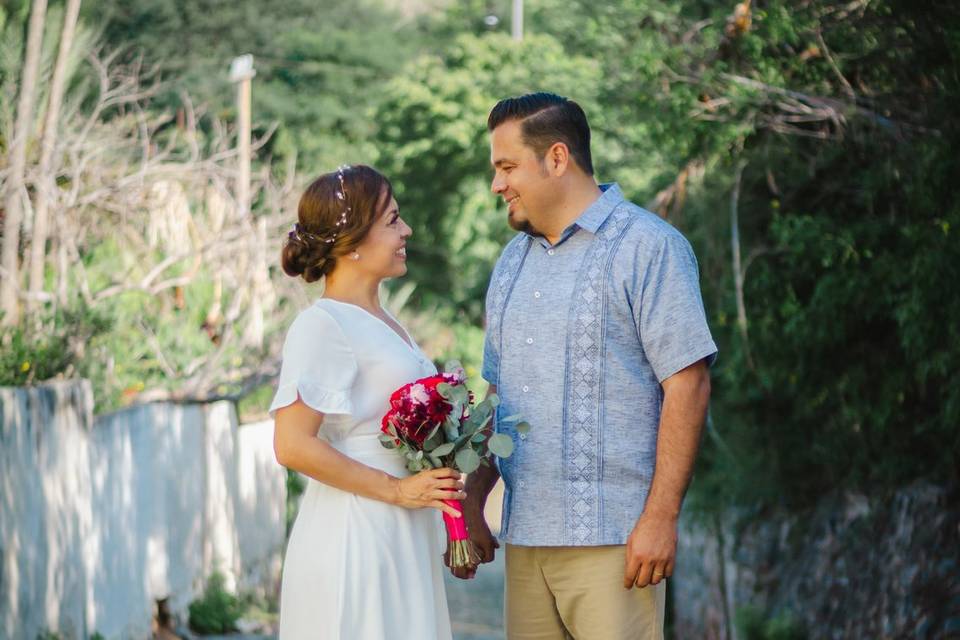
(520, 178)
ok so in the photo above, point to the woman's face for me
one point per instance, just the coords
(383, 251)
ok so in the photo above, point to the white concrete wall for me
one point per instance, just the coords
(101, 517)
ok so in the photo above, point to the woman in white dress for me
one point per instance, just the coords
(364, 560)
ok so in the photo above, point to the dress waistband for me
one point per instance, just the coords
(368, 450)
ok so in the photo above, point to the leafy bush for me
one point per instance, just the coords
(53, 347)
(217, 610)
(753, 624)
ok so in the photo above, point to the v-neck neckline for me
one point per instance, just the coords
(407, 341)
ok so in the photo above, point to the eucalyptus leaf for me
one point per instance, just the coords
(467, 460)
(500, 445)
(451, 427)
(493, 399)
(478, 437)
(443, 449)
(523, 427)
(445, 390)
(461, 394)
(434, 440)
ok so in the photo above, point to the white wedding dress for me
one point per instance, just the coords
(356, 568)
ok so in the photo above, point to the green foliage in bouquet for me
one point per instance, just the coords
(458, 443)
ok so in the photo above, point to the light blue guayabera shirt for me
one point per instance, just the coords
(579, 336)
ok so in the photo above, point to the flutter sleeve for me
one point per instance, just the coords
(318, 364)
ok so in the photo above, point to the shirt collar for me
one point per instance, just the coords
(598, 212)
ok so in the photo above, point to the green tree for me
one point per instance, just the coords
(320, 65)
(433, 144)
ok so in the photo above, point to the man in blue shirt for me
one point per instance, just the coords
(597, 336)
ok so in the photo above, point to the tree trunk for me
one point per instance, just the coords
(46, 186)
(13, 216)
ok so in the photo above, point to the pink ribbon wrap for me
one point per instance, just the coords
(456, 527)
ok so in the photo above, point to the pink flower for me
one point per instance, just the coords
(419, 395)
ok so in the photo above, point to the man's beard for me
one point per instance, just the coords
(524, 226)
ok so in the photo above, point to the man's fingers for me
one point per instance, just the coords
(630, 573)
(659, 573)
(668, 572)
(644, 574)
(464, 573)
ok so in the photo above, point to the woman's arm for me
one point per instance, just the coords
(297, 447)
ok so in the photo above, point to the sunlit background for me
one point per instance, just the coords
(149, 172)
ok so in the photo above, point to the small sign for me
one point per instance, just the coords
(242, 68)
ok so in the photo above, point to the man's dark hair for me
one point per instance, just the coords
(545, 119)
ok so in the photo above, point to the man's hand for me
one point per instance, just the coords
(651, 550)
(484, 541)
(652, 545)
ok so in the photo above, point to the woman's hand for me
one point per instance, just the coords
(428, 488)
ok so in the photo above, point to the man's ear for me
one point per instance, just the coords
(558, 159)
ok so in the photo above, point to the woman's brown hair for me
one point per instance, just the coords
(335, 213)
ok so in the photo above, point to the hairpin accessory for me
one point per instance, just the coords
(297, 232)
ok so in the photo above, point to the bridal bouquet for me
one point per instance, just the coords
(433, 422)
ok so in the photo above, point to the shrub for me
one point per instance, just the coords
(217, 610)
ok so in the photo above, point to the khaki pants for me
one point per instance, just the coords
(554, 593)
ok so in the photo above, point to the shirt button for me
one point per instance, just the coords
(529, 340)
(523, 436)
(520, 483)
(526, 388)
(550, 252)
(536, 294)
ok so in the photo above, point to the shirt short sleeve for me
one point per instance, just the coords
(671, 320)
(318, 364)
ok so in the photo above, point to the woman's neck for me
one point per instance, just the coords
(361, 292)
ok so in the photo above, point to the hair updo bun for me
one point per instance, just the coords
(334, 215)
(305, 257)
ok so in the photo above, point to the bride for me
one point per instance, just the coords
(364, 556)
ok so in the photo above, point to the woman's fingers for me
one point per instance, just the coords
(447, 509)
(444, 494)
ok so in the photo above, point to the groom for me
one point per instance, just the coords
(597, 336)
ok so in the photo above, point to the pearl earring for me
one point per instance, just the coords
(354, 256)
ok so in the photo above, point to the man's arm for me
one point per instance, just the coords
(478, 487)
(652, 545)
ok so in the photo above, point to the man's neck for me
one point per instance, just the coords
(570, 206)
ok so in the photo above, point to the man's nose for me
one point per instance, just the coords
(498, 186)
